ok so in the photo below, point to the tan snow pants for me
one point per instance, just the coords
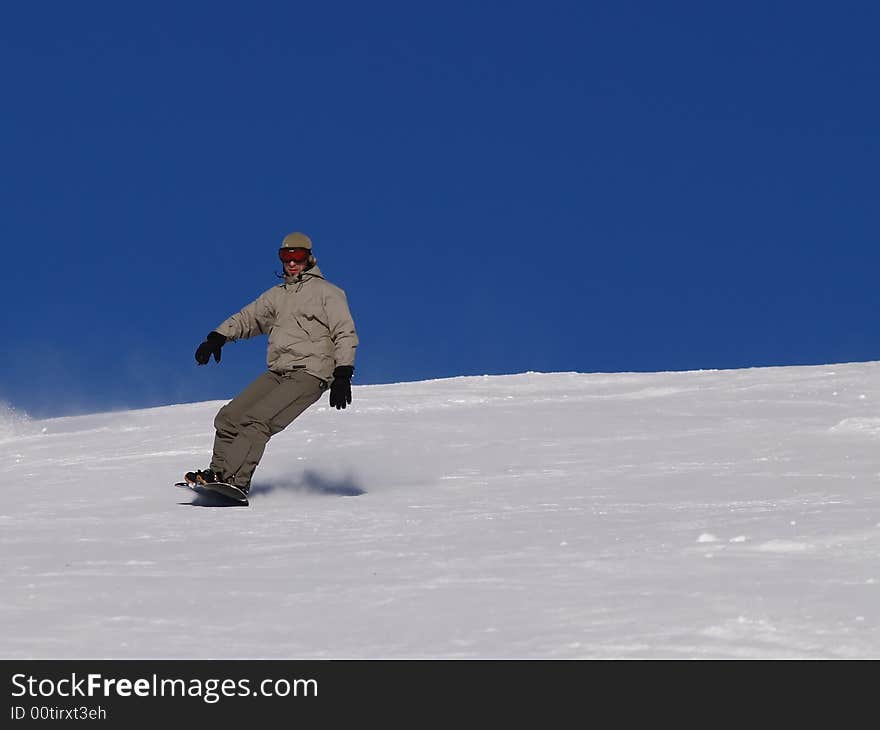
(263, 409)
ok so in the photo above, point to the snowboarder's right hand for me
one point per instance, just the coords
(211, 346)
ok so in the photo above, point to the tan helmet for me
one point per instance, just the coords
(300, 240)
(297, 240)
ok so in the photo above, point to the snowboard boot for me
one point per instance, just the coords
(202, 476)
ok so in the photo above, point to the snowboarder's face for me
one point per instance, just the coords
(295, 260)
(292, 268)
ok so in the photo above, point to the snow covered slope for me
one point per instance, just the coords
(564, 515)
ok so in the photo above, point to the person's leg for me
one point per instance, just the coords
(270, 415)
(229, 419)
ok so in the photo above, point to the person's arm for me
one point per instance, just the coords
(255, 319)
(345, 341)
(341, 326)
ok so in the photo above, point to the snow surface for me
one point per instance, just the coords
(707, 514)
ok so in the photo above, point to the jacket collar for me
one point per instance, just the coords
(304, 276)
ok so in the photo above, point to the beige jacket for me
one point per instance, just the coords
(308, 323)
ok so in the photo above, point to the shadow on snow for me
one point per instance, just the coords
(311, 482)
(204, 500)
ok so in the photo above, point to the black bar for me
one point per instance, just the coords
(417, 692)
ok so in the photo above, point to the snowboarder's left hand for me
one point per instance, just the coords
(340, 388)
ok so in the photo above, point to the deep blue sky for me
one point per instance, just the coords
(498, 186)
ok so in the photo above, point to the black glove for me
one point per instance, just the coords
(340, 388)
(211, 346)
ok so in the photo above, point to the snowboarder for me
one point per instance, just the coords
(312, 342)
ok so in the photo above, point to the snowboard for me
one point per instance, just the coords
(217, 489)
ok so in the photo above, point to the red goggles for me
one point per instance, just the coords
(297, 255)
